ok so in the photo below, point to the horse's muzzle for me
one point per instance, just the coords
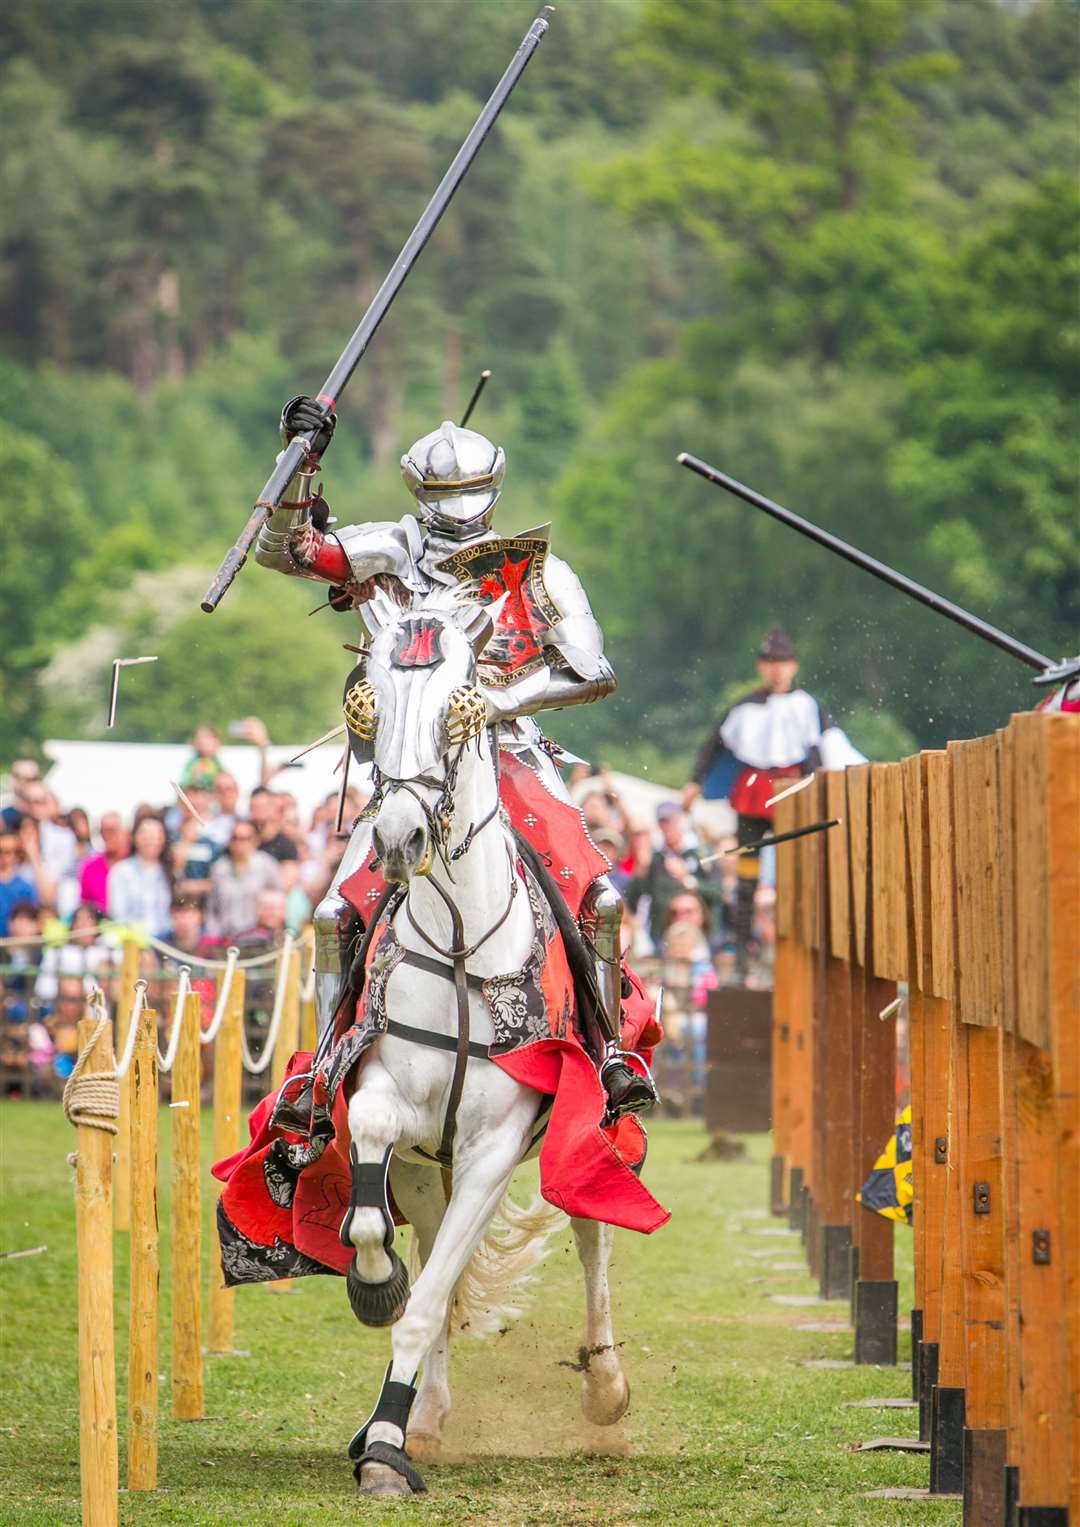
(403, 858)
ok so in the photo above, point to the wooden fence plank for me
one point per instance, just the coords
(187, 1363)
(939, 847)
(858, 816)
(836, 847)
(977, 853)
(1063, 807)
(887, 878)
(145, 1261)
(786, 888)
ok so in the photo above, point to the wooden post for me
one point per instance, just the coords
(983, 1079)
(98, 1459)
(228, 1076)
(781, 1096)
(125, 1002)
(1045, 754)
(288, 1042)
(836, 1191)
(288, 1036)
(145, 1261)
(187, 1363)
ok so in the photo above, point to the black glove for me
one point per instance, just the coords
(303, 416)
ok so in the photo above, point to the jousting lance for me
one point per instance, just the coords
(477, 390)
(299, 448)
(871, 565)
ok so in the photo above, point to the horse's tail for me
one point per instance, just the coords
(491, 1290)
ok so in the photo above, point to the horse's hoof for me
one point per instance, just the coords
(600, 1406)
(379, 1304)
(425, 1447)
(377, 1479)
(383, 1469)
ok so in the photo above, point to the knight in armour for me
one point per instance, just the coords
(547, 653)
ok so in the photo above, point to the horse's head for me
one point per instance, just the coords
(419, 706)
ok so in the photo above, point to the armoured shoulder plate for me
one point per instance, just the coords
(384, 546)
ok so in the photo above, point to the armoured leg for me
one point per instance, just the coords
(601, 917)
(331, 920)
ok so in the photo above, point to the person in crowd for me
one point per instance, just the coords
(777, 733)
(85, 953)
(675, 866)
(236, 880)
(77, 819)
(63, 1024)
(15, 885)
(687, 924)
(51, 850)
(225, 809)
(25, 773)
(139, 890)
(94, 874)
(186, 924)
(268, 929)
(203, 767)
(22, 957)
(265, 811)
(193, 851)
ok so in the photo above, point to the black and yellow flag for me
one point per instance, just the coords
(888, 1189)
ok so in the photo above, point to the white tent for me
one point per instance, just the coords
(117, 776)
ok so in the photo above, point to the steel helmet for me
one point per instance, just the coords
(456, 476)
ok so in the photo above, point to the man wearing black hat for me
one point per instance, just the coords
(776, 733)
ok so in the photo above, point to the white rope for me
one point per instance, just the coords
(183, 987)
(248, 964)
(133, 1028)
(257, 1067)
(92, 1098)
(208, 1035)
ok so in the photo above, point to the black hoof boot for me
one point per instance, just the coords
(379, 1304)
(627, 1090)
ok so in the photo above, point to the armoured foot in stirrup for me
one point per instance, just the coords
(628, 1091)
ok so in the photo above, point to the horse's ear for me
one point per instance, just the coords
(480, 621)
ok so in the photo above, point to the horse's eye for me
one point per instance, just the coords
(361, 716)
(466, 716)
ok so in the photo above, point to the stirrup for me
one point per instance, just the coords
(293, 1114)
(628, 1091)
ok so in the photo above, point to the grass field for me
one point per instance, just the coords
(726, 1425)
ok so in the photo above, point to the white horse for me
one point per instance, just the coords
(438, 829)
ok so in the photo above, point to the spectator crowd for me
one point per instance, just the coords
(205, 871)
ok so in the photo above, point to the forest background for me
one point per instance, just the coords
(832, 246)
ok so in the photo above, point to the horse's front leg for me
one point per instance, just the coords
(377, 1281)
(482, 1174)
(420, 1195)
(605, 1393)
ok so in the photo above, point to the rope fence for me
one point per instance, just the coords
(114, 1102)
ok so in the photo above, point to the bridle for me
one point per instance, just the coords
(440, 820)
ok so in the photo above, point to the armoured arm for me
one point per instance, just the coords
(577, 672)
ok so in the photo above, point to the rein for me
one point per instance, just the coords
(440, 820)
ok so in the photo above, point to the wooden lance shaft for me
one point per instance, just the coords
(228, 1076)
(187, 1363)
(869, 564)
(298, 449)
(145, 1261)
(98, 1448)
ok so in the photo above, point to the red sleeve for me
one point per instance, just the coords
(329, 561)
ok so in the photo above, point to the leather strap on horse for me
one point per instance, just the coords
(445, 1153)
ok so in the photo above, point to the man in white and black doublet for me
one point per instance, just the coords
(777, 733)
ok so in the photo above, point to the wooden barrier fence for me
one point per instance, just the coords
(107, 1187)
(957, 873)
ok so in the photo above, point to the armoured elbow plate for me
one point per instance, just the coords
(576, 636)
